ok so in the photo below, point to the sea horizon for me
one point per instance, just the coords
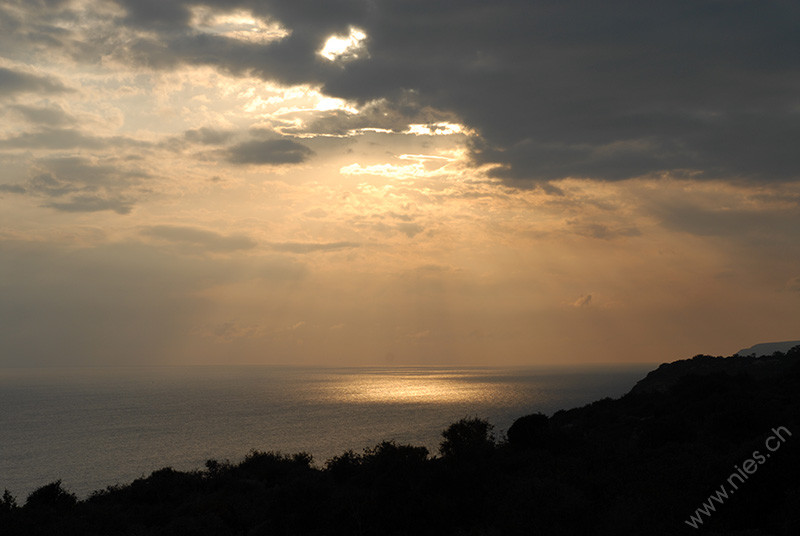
(93, 427)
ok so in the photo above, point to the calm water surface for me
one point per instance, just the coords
(96, 427)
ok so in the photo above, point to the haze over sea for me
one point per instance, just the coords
(94, 427)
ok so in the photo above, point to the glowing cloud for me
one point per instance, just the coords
(239, 25)
(350, 47)
(436, 129)
(386, 170)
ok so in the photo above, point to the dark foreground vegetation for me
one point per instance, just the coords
(642, 464)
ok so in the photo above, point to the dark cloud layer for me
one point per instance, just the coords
(12, 188)
(92, 203)
(311, 247)
(66, 138)
(395, 115)
(13, 82)
(277, 152)
(202, 238)
(76, 184)
(607, 90)
(207, 136)
(762, 226)
(44, 115)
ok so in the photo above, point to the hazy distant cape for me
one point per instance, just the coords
(759, 361)
(768, 348)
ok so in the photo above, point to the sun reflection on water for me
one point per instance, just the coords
(418, 387)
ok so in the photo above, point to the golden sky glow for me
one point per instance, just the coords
(182, 210)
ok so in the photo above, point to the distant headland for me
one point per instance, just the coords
(768, 348)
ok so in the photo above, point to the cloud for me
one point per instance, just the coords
(49, 186)
(109, 173)
(583, 301)
(231, 331)
(401, 217)
(410, 229)
(311, 247)
(764, 222)
(378, 115)
(15, 82)
(207, 136)
(12, 188)
(275, 152)
(202, 238)
(156, 13)
(793, 284)
(77, 184)
(293, 327)
(608, 90)
(92, 203)
(66, 138)
(44, 115)
(419, 335)
(602, 231)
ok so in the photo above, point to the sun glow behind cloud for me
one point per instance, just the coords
(238, 24)
(346, 48)
(437, 129)
(258, 187)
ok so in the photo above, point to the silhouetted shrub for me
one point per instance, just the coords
(530, 431)
(51, 496)
(467, 439)
(273, 466)
(215, 468)
(391, 460)
(344, 466)
(303, 459)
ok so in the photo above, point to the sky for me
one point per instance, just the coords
(397, 182)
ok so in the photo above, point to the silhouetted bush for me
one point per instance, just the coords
(467, 440)
(51, 496)
(216, 468)
(303, 459)
(345, 466)
(529, 431)
(273, 466)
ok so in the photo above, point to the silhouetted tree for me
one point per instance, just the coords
(390, 460)
(467, 439)
(303, 459)
(274, 466)
(344, 466)
(215, 468)
(8, 503)
(51, 496)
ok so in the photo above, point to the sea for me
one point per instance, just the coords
(97, 427)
